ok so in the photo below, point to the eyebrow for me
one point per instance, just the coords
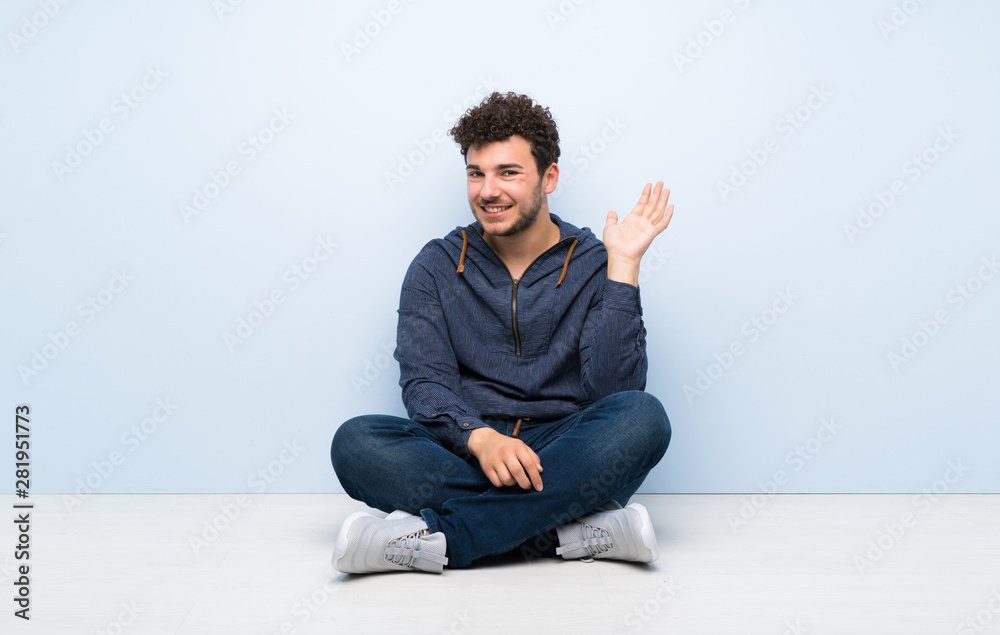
(502, 166)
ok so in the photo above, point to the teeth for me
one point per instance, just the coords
(493, 208)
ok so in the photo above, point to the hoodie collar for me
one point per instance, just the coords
(567, 233)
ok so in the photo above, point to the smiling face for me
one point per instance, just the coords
(506, 193)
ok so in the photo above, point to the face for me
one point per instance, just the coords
(505, 191)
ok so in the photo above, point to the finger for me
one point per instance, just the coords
(522, 478)
(661, 206)
(612, 219)
(655, 201)
(512, 464)
(529, 455)
(649, 208)
(504, 475)
(492, 475)
(534, 475)
(664, 220)
(645, 195)
(538, 461)
(664, 194)
(532, 466)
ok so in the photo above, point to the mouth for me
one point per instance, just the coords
(493, 211)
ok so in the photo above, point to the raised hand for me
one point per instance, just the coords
(628, 240)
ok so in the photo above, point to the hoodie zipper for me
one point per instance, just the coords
(513, 318)
(513, 295)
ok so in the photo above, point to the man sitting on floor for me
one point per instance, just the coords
(522, 351)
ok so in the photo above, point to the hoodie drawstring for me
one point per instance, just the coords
(562, 276)
(566, 264)
(517, 428)
(461, 259)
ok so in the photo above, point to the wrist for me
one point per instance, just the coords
(476, 439)
(622, 269)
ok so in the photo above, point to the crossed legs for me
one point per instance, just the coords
(601, 453)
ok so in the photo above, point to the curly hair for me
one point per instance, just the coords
(501, 116)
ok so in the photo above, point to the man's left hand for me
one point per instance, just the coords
(627, 241)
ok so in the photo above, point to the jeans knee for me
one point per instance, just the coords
(663, 431)
(347, 440)
(649, 420)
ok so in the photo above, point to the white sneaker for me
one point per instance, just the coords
(618, 534)
(367, 544)
(399, 513)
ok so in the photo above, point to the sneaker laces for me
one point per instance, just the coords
(403, 551)
(596, 540)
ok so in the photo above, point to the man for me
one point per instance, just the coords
(522, 354)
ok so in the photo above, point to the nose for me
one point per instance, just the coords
(490, 189)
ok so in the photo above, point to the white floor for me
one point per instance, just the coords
(129, 564)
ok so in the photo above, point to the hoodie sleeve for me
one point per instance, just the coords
(613, 341)
(428, 369)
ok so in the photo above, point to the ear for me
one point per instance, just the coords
(550, 179)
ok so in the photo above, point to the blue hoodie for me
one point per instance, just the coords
(474, 343)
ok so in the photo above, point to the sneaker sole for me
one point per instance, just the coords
(341, 548)
(646, 531)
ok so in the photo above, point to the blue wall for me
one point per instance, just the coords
(171, 169)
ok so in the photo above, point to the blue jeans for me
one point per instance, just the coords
(588, 458)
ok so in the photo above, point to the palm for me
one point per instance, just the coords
(630, 238)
